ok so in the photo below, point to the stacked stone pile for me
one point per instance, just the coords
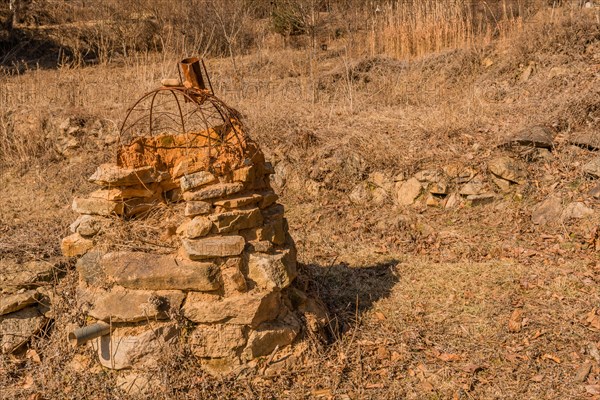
(229, 278)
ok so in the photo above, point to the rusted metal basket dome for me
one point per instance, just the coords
(185, 107)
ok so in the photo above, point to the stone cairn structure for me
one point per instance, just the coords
(228, 282)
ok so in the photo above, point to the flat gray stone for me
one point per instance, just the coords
(137, 270)
(214, 191)
(196, 180)
(586, 140)
(15, 276)
(113, 175)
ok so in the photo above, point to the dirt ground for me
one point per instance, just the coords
(425, 302)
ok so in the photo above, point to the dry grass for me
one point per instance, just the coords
(420, 299)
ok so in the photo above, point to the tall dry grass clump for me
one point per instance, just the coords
(413, 28)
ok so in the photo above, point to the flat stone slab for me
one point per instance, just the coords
(588, 140)
(75, 245)
(251, 308)
(125, 305)
(211, 247)
(214, 191)
(113, 175)
(236, 220)
(15, 276)
(18, 327)
(509, 169)
(97, 206)
(15, 302)
(196, 180)
(137, 270)
(534, 136)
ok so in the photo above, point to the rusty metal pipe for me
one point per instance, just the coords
(82, 335)
(192, 74)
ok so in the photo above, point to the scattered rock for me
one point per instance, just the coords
(15, 302)
(429, 175)
(218, 246)
(15, 276)
(593, 167)
(135, 347)
(595, 191)
(17, 328)
(360, 195)
(472, 188)
(534, 136)
(251, 308)
(547, 211)
(270, 271)
(452, 201)
(137, 270)
(481, 199)
(509, 169)
(586, 140)
(407, 192)
(75, 245)
(440, 187)
(577, 210)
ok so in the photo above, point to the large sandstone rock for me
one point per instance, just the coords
(236, 220)
(272, 270)
(18, 327)
(15, 302)
(125, 305)
(251, 308)
(135, 347)
(269, 335)
(196, 180)
(216, 341)
(508, 168)
(75, 245)
(211, 247)
(136, 270)
(214, 191)
(407, 192)
(112, 175)
(97, 206)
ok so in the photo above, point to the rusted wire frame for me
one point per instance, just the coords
(191, 96)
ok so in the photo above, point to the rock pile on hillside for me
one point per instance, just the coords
(229, 281)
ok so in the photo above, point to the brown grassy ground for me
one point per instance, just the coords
(420, 298)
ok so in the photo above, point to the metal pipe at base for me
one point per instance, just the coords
(82, 335)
